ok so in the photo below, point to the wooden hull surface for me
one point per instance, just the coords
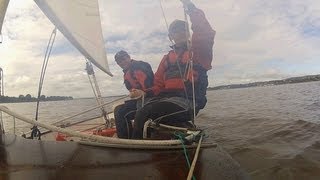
(33, 159)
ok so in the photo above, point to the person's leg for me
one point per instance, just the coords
(141, 117)
(129, 116)
(121, 124)
(123, 119)
(167, 109)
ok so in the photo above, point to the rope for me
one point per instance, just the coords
(194, 160)
(88, 73)
(2, 131)
(91, 109)
(96, 91)
(171, 127)
(142, 100)
(189, 66)
(128, 129)
(44, 67)
(172, 43)
(193, 94)
(145, 128)
(100, 138)
(165, 19)
(185, 151)
(180, 72)
(143, 147)
(14, 125)
(1, 124)
(190, 63)
(35, 130)
(4, 141)
(167, 115)
(85, 111)
(187, 27)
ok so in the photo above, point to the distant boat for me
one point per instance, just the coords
(84, 150)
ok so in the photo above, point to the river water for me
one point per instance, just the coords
(273, 131)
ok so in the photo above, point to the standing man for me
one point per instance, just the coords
(174, 77)
(137, 75)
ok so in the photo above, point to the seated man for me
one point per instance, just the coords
(173, 81)
(137, 75)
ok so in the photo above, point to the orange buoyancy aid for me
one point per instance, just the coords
(177, 71)
(138, 76)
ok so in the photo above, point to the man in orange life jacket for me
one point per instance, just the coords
(137, 75)
(173, 79)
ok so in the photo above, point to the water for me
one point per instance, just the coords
(51, 112)
(273, 131)
(287, 102)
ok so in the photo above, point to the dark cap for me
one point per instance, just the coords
(120, 55)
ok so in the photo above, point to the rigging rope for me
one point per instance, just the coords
(85, 111)
(35, 131)
(165, 20)
(193, 165)
(44, 67)
(190, 62)
(189, 65)
(90, 71)
(1, 124)
(96, 91)
(187, 26)
(182, 139)
(97, 138)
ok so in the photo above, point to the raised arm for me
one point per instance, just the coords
(202, 37)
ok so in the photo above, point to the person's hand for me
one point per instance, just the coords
(136, 93)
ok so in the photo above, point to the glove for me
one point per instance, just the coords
(136, 93)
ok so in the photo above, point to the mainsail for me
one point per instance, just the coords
(79, 21)
(3, 9)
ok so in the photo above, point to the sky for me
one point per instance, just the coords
(256, 40)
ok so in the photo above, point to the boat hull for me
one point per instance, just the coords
(33, 159)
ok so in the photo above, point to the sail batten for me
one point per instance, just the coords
(3, 9)
(79, 21)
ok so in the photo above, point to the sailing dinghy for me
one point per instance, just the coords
(82, 150)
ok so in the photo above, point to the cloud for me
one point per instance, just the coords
(256, 40)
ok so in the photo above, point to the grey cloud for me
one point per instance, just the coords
(248, 33)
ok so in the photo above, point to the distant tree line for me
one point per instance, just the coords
(29, 98)
(292, 80)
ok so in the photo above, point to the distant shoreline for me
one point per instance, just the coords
(292, 80)
(29, 98)
(103, 97)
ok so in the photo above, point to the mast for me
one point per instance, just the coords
(96, 91)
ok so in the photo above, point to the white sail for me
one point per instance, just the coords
(3, 9)
(79, 21)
